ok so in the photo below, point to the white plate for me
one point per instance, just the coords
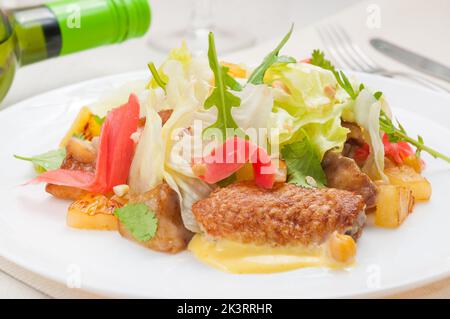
(33, 232)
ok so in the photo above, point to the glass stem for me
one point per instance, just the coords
(201, 15)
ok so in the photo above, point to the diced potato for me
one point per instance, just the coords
(414, 162)
(406, 176)
(394, 204)
(93, 212)
(78, 125)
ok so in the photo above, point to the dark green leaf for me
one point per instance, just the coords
(257, 77)
(220, 97)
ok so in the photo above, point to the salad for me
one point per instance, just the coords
(252, 170)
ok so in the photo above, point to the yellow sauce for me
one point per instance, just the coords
(241, 258)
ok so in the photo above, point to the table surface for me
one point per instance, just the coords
(398, 23)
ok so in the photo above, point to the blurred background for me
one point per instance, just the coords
(251, 28)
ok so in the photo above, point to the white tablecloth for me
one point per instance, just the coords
(419, 25)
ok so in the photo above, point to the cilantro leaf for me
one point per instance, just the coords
(318, 59)
(46, 162)
(139, 220)
(159, 81)
(220, 97)
(303, 164)
(257, 77)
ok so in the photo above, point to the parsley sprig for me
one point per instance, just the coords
(395, 134)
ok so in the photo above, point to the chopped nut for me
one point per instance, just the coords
(121, 190)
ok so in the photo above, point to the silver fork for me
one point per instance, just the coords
(347, 54)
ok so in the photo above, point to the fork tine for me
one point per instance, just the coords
(330, 48)
(359, 55)
(346, 50)
(340, 51)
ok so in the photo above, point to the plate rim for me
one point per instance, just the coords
(36, 269)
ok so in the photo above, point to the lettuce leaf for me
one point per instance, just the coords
(305, 106)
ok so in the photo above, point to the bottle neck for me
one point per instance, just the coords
(37, 34)
(67, 26)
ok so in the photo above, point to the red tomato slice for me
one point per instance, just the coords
(231, 156)
(397, 152)
(114, 154)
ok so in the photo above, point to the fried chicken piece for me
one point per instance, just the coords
(343, 173)
(171, 235)
(355, 136)
(284, 215)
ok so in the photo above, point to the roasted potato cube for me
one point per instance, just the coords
(406, 176)
(394, 204)
(93, 212)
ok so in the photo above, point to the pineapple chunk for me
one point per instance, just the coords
(78, 125)
(94, 212)
(394, 204)
(85, 124)
(406, 176)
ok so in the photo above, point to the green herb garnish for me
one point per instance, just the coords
(159, 81)
(399, 134)
(139, 220)
(257, 77)
(46, 162)
(220, 97)
(303, 164)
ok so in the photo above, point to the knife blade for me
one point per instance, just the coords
(411, 59)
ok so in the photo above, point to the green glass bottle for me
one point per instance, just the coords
(29, 35)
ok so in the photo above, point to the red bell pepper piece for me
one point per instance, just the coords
(362, 153)
(114, 154)
(231, 156)
(397, 151)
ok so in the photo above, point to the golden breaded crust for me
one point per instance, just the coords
(286, 214)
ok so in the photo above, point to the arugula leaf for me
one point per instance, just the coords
(161, 83)
(303, 164)
(257, 77)
(220, 97)
(46, 162)
(230, 81)
(139, 220)
(399, 134)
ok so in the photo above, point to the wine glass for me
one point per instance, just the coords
(201, 22)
